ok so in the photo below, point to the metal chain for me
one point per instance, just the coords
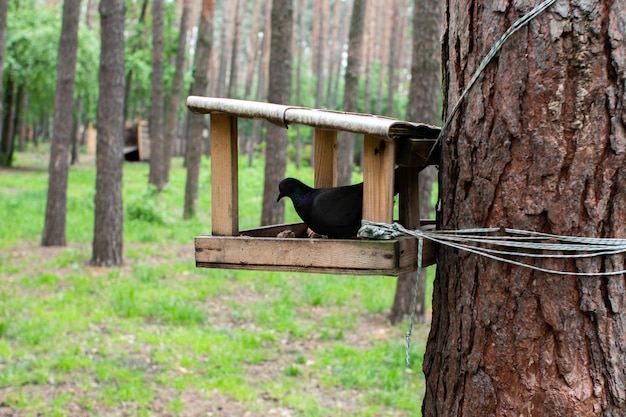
(407, 336)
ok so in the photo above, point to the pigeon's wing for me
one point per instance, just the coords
(337, 211)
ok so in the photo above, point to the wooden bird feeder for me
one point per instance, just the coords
(387, 143)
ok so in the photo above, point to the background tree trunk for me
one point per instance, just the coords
(109, 217)
(345, 148)
(234, 57)
(279, 91)
(58, 168)
(128, 84)
(196, 122)
(539, 144)
(261, 90)
(423, 106)
(4, 6)
(156, 99)
(6, 144)
(171, 124)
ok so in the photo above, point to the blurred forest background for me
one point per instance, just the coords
(238, 63)
(138, 330)
(350, 55)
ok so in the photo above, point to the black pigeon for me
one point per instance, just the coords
(335, 212)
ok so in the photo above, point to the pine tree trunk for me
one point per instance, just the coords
(22, 125)
(234, 57)
(173, 109)
(196, 122)
(279, 91)
(345, 149)
(423, 106)
(76, 133)
(6, 143)
(539, 144)
(109, 217)
(58, 168)
(4, 5)
(157, 171)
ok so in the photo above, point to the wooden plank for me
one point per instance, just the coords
(408, 196)
(416, 153)
(224, 175)
(328, 253)
(348, 257)
(325, 158)
(378, 179)
(307, 270)
(299, 229)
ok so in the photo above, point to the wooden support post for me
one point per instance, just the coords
(378, 179)
(409, 209)
(325, 158)
(409, 196)
(224, 175)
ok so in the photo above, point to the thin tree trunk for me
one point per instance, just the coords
(6, 144)
(342, 13)
(76, 133)
(279, 91)
(261, 93)
(109, 217)
(173, 109)
(384, 36)
(22, 126)
(255, 46)
(369, 54)
(224, 57)
(234, 57)
(4, 5)
(299, 47)
(157, 170)
(539, 144)
(345, 150)
(129, 77)
(423, 106)
(58, 169)
(394, 44)
(196, 122)
(322, 42)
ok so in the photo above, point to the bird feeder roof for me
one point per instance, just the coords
(284, 115)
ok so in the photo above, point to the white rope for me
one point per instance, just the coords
(524, 243)
(521, 22)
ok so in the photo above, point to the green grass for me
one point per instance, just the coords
(158, 336)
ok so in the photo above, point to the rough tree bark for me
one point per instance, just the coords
(4, 8)
(279, 91)
(196, 122)
(539, 144)
(423, 106)
(157, 170)
(109, 217)
(59, 165)
(171, 123)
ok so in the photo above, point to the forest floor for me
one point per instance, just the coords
(159, 337)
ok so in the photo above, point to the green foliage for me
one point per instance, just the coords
(87, 68)
(32, 45)
(147, 207)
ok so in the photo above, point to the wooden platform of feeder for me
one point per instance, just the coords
(259, 249)
(387, 143)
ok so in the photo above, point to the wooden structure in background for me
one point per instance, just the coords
(387, 143)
